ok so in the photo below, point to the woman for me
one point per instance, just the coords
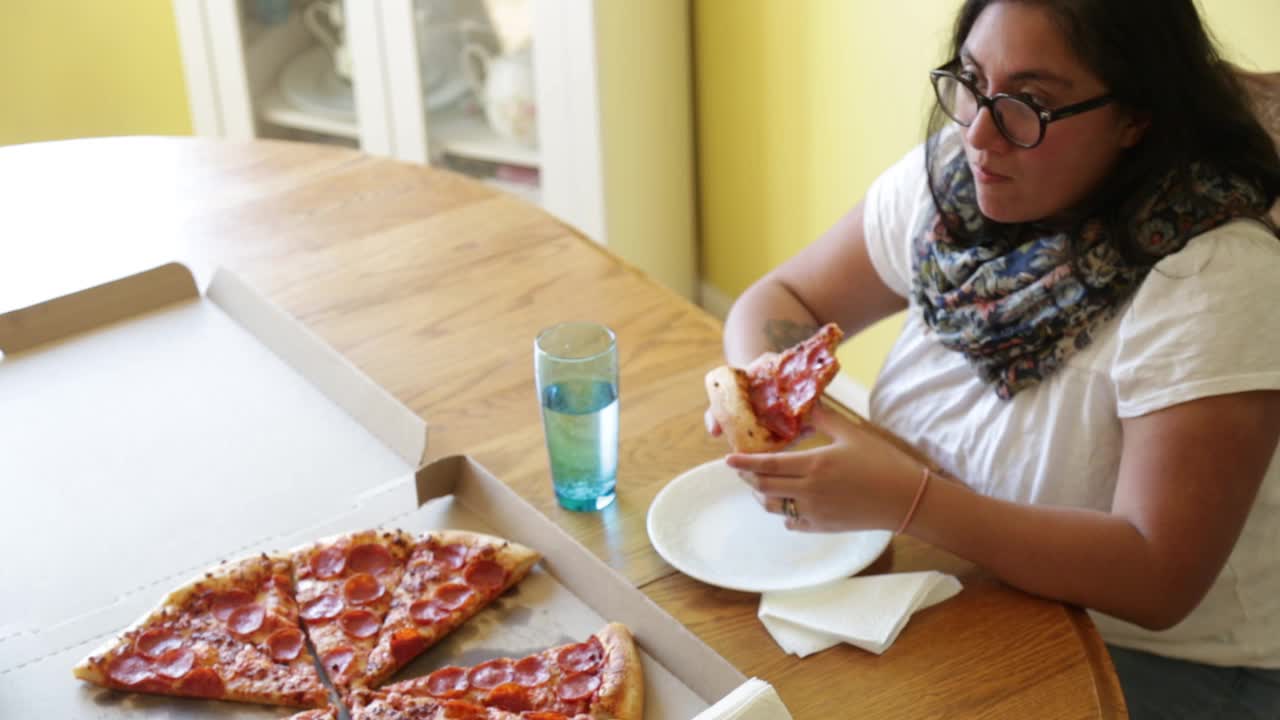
(1090, 343)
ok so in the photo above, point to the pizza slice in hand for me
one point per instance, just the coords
(765, 407)
(599, 679)
(231, 634)
(345, 586)
(451, 575)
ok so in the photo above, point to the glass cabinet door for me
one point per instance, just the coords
(300, 70)
(473, 104)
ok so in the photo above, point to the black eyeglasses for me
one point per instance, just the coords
(1019, 119)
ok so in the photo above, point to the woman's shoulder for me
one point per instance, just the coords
(1242, 247)
(1234, 264)
(1202, 322)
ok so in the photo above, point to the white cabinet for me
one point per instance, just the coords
(613, 154)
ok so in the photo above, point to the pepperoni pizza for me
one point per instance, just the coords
(370, 602)
(765, 407)
(231, 634)
(599, 679)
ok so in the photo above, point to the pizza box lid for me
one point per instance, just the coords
(151, 431)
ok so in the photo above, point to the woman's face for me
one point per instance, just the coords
(1015, 48)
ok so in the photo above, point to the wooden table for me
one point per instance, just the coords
(434, 285)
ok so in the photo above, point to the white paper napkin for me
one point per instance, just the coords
(754, 699)
(867, 612)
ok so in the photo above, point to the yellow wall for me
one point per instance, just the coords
(802, 103)
(77, 68)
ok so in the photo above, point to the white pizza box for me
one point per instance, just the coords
(149, 431)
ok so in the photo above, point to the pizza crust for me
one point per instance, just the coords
(621, 694)
(728, 391)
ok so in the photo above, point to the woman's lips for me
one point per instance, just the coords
(983, 175)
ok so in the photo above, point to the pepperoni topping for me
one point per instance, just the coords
(225, 603)
(359, 623)
(370, 558)
(532, 671)
(451, 556)
(130, 669)
(453, 595)
(582, 657)
(329, 563)
(577, 686)
(491, 674)
(447, 682)
(486, 575)
(175, 663)
(407, 644)
(246, 619)
(336, 660)
(362, 589)
(509, 697)
(426, 612)
(202, 682)
(285, 644)
(324, 607)
(157, 641)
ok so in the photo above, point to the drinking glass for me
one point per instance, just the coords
(576, 365)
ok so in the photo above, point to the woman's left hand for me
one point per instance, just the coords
(859, 481)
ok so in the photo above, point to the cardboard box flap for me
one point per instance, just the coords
(599, 585)
(373, 407)
(62, 317)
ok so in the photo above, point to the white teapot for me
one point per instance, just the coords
(504, 86)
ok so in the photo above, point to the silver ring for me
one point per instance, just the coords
(789, 508)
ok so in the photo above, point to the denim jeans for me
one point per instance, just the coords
(1160, 688)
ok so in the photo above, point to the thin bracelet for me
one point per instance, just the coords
(915, 502)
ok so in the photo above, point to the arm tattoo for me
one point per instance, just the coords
(782, 334)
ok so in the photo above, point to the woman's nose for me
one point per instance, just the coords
(984, 134)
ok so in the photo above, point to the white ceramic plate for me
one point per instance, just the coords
(709, 527)
(309, 83)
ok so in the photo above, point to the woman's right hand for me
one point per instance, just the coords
(859, 481)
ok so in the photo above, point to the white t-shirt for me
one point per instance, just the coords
(1204, 322)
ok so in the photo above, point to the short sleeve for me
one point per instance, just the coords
(891, 212)
(1203, 322)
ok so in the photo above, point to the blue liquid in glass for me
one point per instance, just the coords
(580, 418)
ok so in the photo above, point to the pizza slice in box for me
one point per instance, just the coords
(599, 679)
(326, 713)
(345, 585)
(379, 705)
(765, 407)
(451, 575)
(231, 634)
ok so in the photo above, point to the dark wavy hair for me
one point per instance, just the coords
(1158, 60)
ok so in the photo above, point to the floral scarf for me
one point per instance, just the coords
(1024, 298)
